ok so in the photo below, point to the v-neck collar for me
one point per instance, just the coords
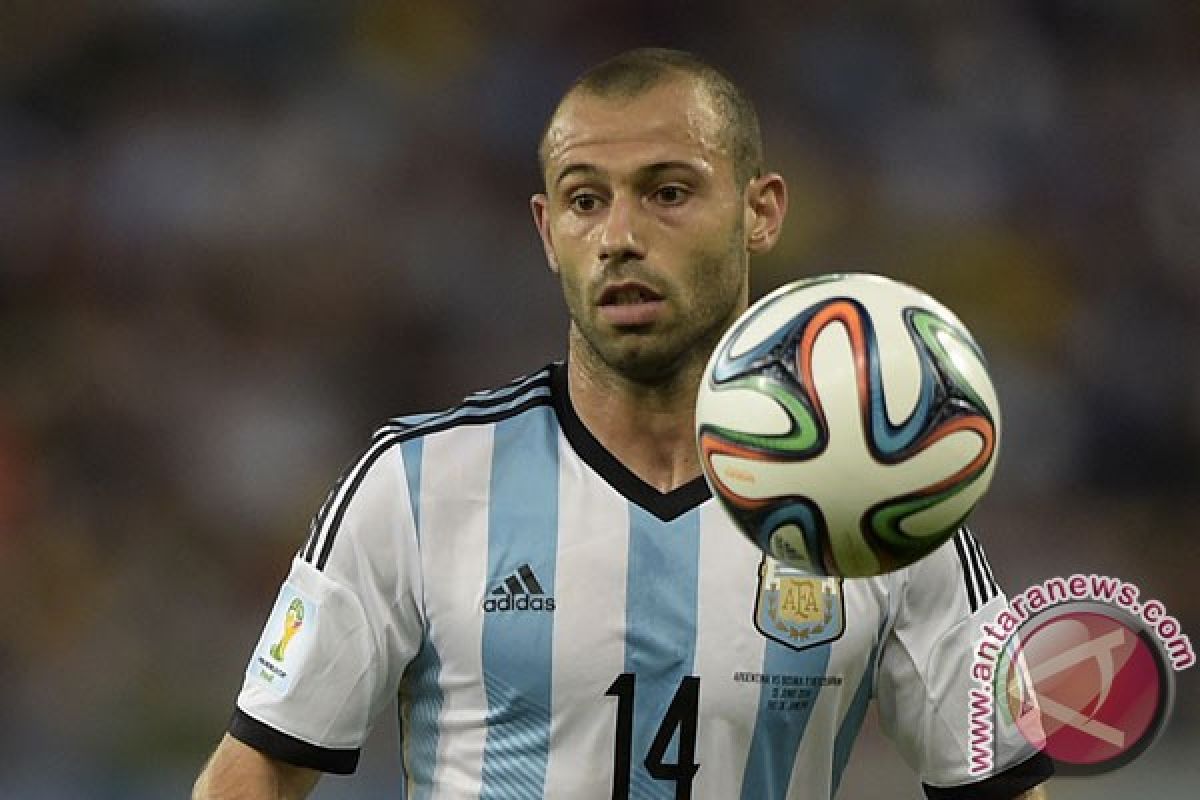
(666, 506)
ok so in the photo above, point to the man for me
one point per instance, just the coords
(541, 573)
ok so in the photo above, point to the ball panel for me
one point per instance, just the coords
(948, 513)
(747, 407)
(794, 537)
(853, 556)
(896, 362)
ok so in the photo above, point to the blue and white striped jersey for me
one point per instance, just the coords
(557, 628)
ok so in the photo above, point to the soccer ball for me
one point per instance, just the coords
(848, 424)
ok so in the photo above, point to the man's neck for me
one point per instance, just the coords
(649, 429)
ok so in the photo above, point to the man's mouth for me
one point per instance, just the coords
(630, 304)
(627, 294)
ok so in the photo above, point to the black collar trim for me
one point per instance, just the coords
(666, 507)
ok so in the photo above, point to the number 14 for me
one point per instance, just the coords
(681, 715)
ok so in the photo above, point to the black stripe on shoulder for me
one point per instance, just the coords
(480, 417)
(330, 520)
(318, 523)
(484, 399)
(985, 592)
(360, 471)
(1002, 786)
(282, 747)
(968, 579)
(984, 567)
(982, 571)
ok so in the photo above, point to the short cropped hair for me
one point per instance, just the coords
(633, 72)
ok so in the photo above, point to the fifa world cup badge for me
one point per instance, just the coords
(293, 621)
(796, 608)
(286, 641)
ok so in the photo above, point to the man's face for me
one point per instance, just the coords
(645, 224)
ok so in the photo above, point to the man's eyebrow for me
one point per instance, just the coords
(665, 166)
(571, 169)
(643, 172)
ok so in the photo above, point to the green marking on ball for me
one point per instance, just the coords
(928, 326)
(886, 521)
(802, 437)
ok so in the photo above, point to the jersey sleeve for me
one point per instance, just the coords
(924, 678)
(346, 622)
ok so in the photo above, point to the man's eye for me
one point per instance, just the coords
(584, 203)
(670, 195)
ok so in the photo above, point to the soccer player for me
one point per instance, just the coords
(540, 573)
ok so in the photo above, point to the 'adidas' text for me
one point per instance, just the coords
(519, 603)
(521, 591)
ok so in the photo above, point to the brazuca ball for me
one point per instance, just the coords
(848, 424)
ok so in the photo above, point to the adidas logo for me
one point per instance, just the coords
(520, 591)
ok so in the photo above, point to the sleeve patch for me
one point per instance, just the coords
(286, 641)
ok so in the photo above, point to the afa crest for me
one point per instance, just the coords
(796, 608)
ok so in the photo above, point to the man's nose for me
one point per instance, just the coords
(621, 235)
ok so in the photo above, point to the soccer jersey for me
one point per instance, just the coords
(555, 627)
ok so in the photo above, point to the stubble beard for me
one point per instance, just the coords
(676, 356)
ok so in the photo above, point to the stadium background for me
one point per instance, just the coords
(234, 236)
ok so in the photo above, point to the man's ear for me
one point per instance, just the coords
(540, 206)
(765, 208)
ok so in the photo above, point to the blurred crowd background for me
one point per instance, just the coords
(236, 236)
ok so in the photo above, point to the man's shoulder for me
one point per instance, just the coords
(481, 407)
